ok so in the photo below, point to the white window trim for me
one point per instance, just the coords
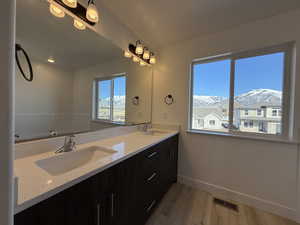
(286, 108)
(95, 99)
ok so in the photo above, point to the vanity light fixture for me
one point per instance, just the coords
(82, 16)
(51, 60)
(139, 48)
(140, 54)
(56, 11)
(70, 3)
(127, 54)
(152, 59)
(79, 25)
(92, 12)
(146, 54)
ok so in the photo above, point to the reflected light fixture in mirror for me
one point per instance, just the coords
(135, 59)
(79, 25)
(127, 54)
(139, 48)
(152, 59)
(92, 12)
(56, 11)
(51, 60)
(142, 63)
(146, 54)
(70, 3)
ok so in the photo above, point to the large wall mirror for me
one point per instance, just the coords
(81, 80)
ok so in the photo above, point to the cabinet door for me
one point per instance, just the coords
(105, 197)
(124, 193)
(28, 216)
(174, 158)
(81, 205)
(49, 212)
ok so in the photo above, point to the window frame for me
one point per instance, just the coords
(96, 102)
(286, 107)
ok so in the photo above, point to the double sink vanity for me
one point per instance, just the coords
(113, 171)
(117, 179)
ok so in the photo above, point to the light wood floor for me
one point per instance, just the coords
(184, 205)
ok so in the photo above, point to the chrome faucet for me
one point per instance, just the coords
(145, 127)
(68, 146)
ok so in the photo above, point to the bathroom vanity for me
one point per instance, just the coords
(117, 174)
(121, 188)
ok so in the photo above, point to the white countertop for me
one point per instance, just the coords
(36, 185)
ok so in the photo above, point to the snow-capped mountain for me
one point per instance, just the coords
(202, 101)
(119, 101)
(256, 97)
(260, 97)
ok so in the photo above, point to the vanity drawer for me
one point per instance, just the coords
(145, 207)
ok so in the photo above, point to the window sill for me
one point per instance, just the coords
(249, 137)
(108, 122)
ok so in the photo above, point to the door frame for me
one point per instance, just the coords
(7, 41)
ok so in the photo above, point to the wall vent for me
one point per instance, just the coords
(226, 204)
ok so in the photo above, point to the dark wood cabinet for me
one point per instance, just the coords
(125, 194)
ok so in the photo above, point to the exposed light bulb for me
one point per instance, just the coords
(92, 13)
(152, 59)
(70, 3)
(51, 60)
(56, 11)
(139, 48)
(142, 63)
(127, 54)
(79, 25)
(146, 54)
(135, 59)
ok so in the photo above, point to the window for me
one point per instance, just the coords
(274, 112)
(235, 83)
(259, 112)
(212, 122)
(251, 123)
(110, 96)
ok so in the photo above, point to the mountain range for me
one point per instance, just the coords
(253, 98)
(119, 101)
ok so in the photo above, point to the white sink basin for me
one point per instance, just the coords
(65, 162)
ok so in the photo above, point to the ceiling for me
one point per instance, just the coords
(44, 36)
(164, 22)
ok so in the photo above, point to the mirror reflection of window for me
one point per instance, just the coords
(104, 99)
(111, 99)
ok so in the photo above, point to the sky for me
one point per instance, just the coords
(213, 79)
(119, 87)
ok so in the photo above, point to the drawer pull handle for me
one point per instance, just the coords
(151, 205)
(98, 214)
(151, 155)
(152, 176)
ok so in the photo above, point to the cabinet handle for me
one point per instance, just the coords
(151, 155)
(98, 214)
(152, 176)
(151, 205)
(112, 204)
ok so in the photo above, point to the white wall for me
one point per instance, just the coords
(46, 103)
(7, 19)
(138, 83)
(112, 28)
(260, 173)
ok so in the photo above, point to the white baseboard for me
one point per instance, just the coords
(229, 194)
